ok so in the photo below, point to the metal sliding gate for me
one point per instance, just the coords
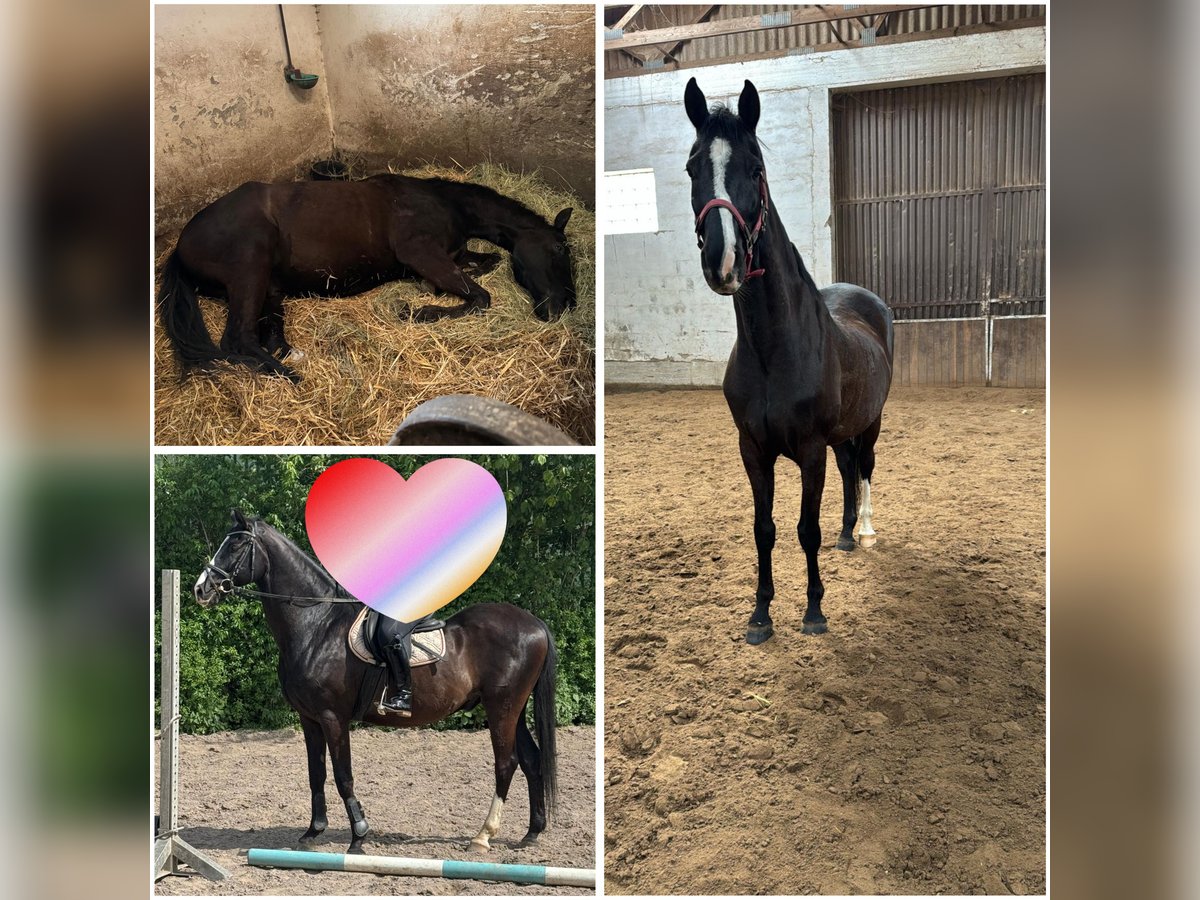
(939, 195)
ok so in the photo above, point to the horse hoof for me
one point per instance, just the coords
(479, 846)
(866, 541)
(815, 627)
(357, 850)
(308, 839)
(845, 543)
(529, 839)
(756, 634)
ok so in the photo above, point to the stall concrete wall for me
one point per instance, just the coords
(468, 84)
(398, 85)
(662, 325)
(223, 114)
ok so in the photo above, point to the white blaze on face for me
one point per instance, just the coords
(200, 582)
(720, 151)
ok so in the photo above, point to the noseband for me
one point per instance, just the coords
(749, 234)
(225, 583)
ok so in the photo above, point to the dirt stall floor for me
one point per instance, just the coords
(901, 753)
(425, 793)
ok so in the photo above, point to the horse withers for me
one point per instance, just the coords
(810, 368)
(262, 242)
(497, 655)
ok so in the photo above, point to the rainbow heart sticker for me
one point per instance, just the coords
(406, 548)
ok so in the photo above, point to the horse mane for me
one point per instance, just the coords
(309, 563)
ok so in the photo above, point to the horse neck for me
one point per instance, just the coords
(291, 572)
(781, 318)
(496, 218)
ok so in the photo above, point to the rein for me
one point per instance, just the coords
(750, 235)
(226, 586)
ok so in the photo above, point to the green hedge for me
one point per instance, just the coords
(228, 658)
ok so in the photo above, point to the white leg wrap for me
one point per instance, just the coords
(491, 825)
(866, 534)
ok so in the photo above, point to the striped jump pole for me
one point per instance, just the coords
(435, 868)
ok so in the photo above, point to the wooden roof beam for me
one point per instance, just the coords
(806, 16)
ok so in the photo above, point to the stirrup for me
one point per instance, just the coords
(386, 706)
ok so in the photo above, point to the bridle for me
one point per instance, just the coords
(749, 234)
(225, 585)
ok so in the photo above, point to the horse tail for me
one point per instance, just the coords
(544, 717)
(182, 318)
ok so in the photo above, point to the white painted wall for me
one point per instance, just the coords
(662, 325)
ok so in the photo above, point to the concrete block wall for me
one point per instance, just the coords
(662, 325)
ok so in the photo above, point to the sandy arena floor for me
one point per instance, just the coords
(902, 752)
(425, 793)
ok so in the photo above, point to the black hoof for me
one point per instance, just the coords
(530, 838)
(357, 850)
(309, 838)
(846, 543)
(756, 634)
(817, 627)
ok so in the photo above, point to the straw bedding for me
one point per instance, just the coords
(367, 366)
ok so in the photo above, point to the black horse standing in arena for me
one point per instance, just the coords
(811, 368)
(262, 242)
(496, 655)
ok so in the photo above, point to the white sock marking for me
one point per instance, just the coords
(491, 825)
(864, 512)
(720, 151)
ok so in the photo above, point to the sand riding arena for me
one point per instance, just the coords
(902, 752)
(422, 791)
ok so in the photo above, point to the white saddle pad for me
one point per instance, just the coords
(427, 647)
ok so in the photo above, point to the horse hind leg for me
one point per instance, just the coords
(866, 467)
(530, 759)
(247, 307)
(504, 733)
(846, 454)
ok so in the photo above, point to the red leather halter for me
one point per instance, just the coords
(750, 234)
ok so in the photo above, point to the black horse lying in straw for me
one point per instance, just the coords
(496, 655)
(811, 368)
(263, 242)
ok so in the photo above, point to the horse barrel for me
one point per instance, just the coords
(463, 419)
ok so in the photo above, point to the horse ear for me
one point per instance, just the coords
(695, 104)
(748, 108)
(561, 220)
(238, 518)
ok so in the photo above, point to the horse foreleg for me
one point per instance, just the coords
(760, 469)
(530, 759)
(812, 474)
(504, 732)
(846, 454)
(476, 263)
(437, 267)
(866, 467)
(314, 742)
(337, 735)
